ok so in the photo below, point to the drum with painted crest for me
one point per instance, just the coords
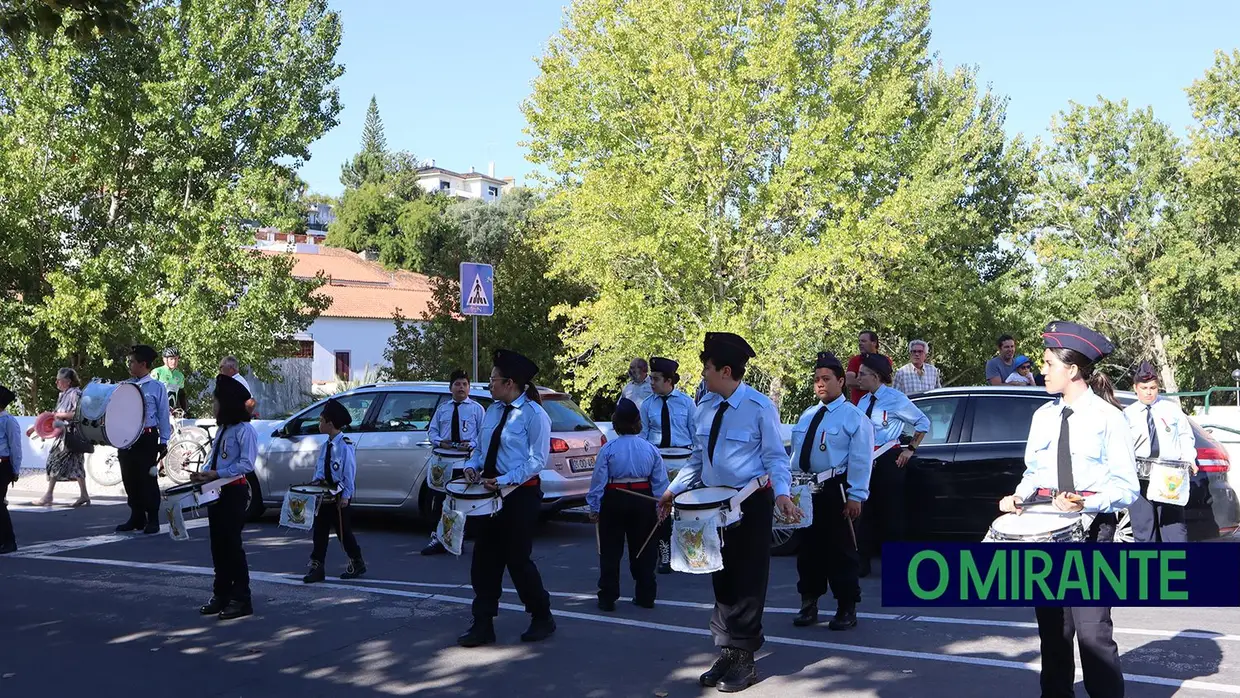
(193, 495)
(472, 499)
(698, 517)
(1170, 481)
(707, 503)
(802, 478)
(674, 458)
(111, 414)
(1038, 524)
(443, 465)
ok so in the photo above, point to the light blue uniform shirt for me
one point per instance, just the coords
(849, 440)
(892, 410)
(1176, 440)
(680, 408)
(749, 444)
(629, 456)
(524, 444)
(343, 465)
(1102, 455)
(237, 448)
(11, 440)
(155, 399)
(471, 422)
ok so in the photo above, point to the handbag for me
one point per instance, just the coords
(75, 442)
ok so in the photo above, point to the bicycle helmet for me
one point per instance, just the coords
(171, 352)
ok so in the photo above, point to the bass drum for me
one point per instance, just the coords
(111, 414)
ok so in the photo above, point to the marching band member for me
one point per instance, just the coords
(337, 465)
(737, 439)
(455, 425)
(1159, 429)
(1079, 448)
(631, 463)
(889, 410)
(10, 467)
(233, 453)
(833, 436)
(512, 450)
(668, 420)
(139, 471)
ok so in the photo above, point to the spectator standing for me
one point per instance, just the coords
(917, 376)
(867, 343)
(1000, 367)
(63, 466)
(638, 388)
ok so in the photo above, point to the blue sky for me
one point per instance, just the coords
(450, 82)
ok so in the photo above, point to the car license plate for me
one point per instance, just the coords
(580, 465)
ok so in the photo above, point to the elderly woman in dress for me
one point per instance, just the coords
(63, 466)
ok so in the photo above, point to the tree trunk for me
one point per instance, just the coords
(777, 393)
(1158, 346)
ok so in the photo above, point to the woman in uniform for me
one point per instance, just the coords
(512, 450)
(1079, 451)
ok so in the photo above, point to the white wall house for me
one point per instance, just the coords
(468, 185)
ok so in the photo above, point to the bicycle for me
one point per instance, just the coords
(187, 449)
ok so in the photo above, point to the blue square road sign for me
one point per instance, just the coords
(477, 289)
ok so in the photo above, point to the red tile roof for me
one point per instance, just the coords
(363, 289)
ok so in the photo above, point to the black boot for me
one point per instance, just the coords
(212, 607)
(434, 548)
(845, 617)
(608, 605)
(315, 574)
(355, 569)
(742, 675)
(722, 665)
(541, 628)
(482, 632)
(236, 609)
(809, 613)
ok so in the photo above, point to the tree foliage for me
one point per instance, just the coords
(125, 167)
(794, 171)
(370, 164)
(80, 21)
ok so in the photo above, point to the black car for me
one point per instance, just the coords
(975, 454)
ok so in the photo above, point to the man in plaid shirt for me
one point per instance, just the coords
(917, 376)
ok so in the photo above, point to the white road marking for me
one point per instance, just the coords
(63, 546)
(287, 580)
(27, 508)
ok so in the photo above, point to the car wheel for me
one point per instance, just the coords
(1123, 527)
(254, 508)
(785, 541)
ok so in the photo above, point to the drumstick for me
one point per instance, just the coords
(851, 531)
(598, 541)
(637, 494)
(643, 548)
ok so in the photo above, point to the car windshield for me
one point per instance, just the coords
(565, 414)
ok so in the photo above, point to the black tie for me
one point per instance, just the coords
(456, 422)
(219, 443)
(488, 467)
(1065, 454)
(870, 410)
(1149, 422)
(714, 430)
(327, 465)
(667, 425)
(807, 447)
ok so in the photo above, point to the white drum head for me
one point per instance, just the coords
(450, 453)
(674, 453)
(704, 497)
(95, 400)
(464, 490)
(315, 489)
(1034, 522)
(124, 416)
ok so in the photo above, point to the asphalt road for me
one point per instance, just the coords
(84, 611)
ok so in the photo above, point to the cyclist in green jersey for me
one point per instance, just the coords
(172, 378)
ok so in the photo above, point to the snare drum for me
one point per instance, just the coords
(707, 503)
(323, 492)
(193, 495)
(472, 500)
(1037, 524)
(800, 477)
(1169, 480)
(111, 414)
(443, 466)
(675, 458)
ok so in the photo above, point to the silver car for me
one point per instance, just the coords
(389, 430)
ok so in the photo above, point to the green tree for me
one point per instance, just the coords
(794, 171)
(80, 20)
(371, 162)
(125, 168)
(1108, 225)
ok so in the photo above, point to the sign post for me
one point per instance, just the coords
(477, 297)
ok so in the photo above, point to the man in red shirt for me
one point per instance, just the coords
(867, 343)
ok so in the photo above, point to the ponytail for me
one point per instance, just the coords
(531, 393)
(1103, 388)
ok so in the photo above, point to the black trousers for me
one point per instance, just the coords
(7, 536)
(740, 587)
(828, 552)
(506, 540)
(226, 519)
(1155, 522)
(333, 517)
(141, 488)
(885, 517)
(623, 517)
(1092, 629)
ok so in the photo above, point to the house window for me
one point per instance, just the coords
(493, 191)
(305, 349)
(444, 186)
(342, 365)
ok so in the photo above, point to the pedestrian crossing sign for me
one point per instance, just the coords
(477, 289)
